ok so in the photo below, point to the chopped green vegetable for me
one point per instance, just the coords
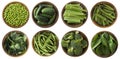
(15, 14)
(74, 13)
(45, 14)
(104, 44)
(15, 43)
(74, 43)
(45, 43)
(104, 14)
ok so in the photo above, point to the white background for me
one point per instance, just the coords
(30, 28)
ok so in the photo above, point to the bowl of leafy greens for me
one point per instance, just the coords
(15, 43)
(104, 44)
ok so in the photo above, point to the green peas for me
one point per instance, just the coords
(15, 14)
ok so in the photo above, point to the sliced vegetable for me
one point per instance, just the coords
(104, 44)
(74, 13)
(74, 43)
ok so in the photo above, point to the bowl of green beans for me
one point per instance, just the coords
(45, 43)
(103, 14)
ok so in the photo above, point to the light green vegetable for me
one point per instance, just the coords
(15, 43)
(45, 43)
(15, 14)
(104, 44)
(74, 43)
(74, 14)
(104, 14)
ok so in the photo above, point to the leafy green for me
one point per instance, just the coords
(15, 43)
(104, 14)
(104, 44)
(45, 43)
(74, 14)
(74, 43)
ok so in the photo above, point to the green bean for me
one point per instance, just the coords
(46, 44)
(104, 14)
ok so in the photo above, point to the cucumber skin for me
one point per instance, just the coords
(49, 11)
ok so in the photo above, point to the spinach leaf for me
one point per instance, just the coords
(104, 44)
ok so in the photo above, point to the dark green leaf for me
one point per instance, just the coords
(95, 42)
(112, 45)
(104, 41)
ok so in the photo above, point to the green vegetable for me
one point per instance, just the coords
(15, 43)
(74, 13)
(49, 11)
(104, 44)
(44, 14)
(45, 43)
(74, 43)
(15, 14)
(104, 14)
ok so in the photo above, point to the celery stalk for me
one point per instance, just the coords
(72, 13)
(72, 19)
